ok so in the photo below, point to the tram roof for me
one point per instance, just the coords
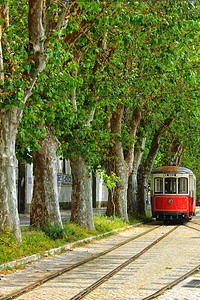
(172, 169)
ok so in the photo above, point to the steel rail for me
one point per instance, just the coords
(192, 227)
(99, 282)
(178, 280)
(45, 279)
(172, 284)
(195, 223)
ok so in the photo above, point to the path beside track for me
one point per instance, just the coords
(189, 289)
(160, 264)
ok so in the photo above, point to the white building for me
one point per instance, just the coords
(64, 181)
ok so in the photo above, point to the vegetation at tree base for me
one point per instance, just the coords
(39, 241)
(110, 83)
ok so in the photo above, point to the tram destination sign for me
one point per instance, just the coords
(170, 174)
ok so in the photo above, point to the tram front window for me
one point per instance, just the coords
(170, 185)
(183, 185)
(158, 185)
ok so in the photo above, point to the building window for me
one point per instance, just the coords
(183, 185)
(64, 166)
(170, 185)
(158, 185)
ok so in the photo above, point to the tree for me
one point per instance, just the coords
(123, 162)
(145, 168)
(45, 91)
(180, 144)
(129, 45)
(158, 31)
(22, 62)
(85, 102)
(16, 87)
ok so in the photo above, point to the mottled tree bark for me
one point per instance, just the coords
(4, 14)
(122, 166)
(81, 199)
(118, 201)
(9, 218)
(144, 170)
(45, 204)
(133, 181)
(35, 25)
(9, 121)
(173, 152)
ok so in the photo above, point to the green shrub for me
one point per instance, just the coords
(54, 232)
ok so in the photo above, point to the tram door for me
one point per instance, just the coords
(21, 187)
(192, 193)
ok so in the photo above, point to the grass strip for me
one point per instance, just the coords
(36, 240)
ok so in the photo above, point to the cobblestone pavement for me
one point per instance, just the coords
(163, 263)
(182, 292)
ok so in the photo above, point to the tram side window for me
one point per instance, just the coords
(183, 185)
(158, 185)
(170, 185)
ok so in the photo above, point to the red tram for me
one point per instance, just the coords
(173, 193)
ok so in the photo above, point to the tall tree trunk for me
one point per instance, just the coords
(45, 204)
(119, 167)
(133, 181)
(9, 121)
(123, 164)
(118, 203)
(132, 194)
(144, 170)
(3, 15)
(8, 196)
(82, 211)
(81, 199)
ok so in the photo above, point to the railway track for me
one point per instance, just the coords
(90, 288)
(193, 225)
(159, 292)
(172, 284)
(118, 257)
(42, 281)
